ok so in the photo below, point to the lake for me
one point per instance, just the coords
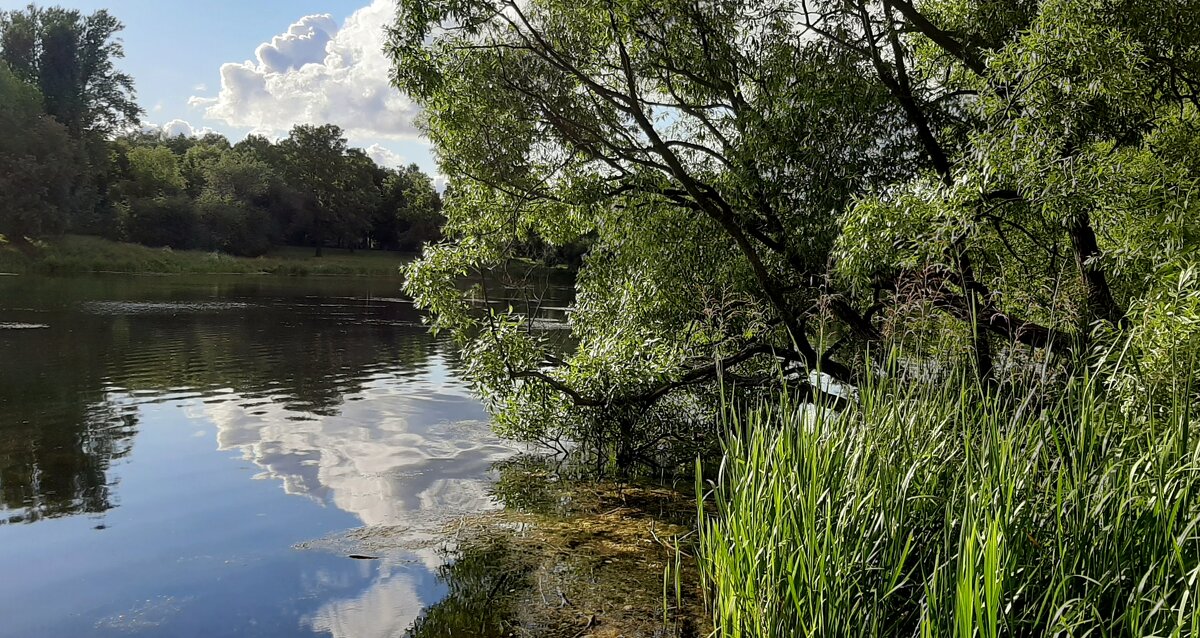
(200, 456)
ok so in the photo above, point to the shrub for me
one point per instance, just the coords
(163, 221)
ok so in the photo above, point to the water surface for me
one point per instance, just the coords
(176, 453)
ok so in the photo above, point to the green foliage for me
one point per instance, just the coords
(234, 177)
(409, 212)
(1073, 133)
(235, 229)
(38, 163)
(75, 254)
(799, 183)
(952, 512)
(71, 58)
(1162, 357)
(197, 160)
(336, 184)
(162, 221)
(183, 192)
(242, 200)
(667, 182)
(152, 172)
(233, 186)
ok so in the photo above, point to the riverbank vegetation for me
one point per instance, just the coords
(73, 159)
(953, 511)
(781, 196)
(78, 254)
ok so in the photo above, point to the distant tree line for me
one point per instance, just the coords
(73, 159)
(309, 189)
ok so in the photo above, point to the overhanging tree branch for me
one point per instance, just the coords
(708, 373)
(964, 53)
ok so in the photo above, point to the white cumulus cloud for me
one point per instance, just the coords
(175, 128)
(304, 43)
(386, 157)
(315, 73)
(178, 127)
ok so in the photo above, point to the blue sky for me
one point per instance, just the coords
(205, 64)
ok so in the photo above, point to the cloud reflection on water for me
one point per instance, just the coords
(384, 610)
(409, 454)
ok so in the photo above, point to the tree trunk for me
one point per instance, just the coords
(982, 349)
(1100, 302)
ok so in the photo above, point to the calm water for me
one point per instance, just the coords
(183, 456)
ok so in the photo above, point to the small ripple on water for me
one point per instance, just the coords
(160, 307)
(549, 324)
(399, 323)
(16, 325)
(145, 615)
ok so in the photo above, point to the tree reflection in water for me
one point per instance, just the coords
(69, 393)
(481, 578)
(46, 472)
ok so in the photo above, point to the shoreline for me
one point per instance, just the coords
(83, 255)
(572, 557)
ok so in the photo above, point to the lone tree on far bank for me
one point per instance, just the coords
(334, 180)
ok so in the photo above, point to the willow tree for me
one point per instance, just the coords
(780, 183)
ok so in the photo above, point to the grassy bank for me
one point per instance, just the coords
(72, 254)
(949, 512)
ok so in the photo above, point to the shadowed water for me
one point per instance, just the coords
(176, 454)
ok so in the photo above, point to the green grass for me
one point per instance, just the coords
(83, 254)
(949, 512)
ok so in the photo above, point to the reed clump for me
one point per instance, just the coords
(953, 510)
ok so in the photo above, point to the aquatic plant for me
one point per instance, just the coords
(952, 510)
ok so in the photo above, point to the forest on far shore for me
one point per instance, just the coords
(75, 159)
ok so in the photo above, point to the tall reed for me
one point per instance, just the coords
(949, 511)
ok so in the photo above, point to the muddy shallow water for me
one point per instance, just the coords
(573, 557)
(200, 456)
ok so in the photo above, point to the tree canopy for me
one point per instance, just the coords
(309, 189)
(38, 164)
(75, 160)
(798, 183)
(72, 59)
(335, 182)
